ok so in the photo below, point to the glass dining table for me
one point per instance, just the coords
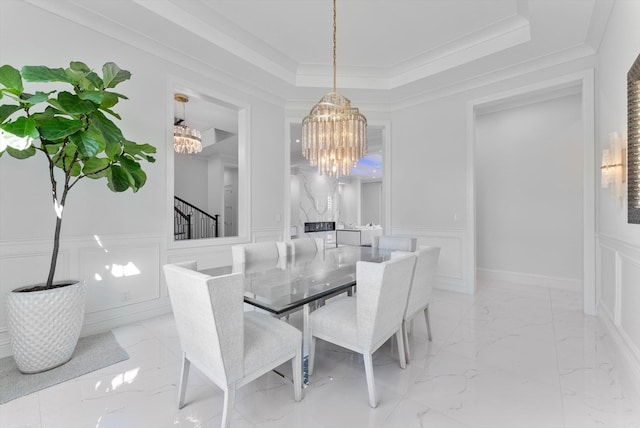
(301, 283)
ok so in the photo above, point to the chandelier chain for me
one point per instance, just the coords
(334, 46)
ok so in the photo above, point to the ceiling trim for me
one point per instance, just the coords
(492, 39)
(203, 22)
(78, 14)
(581, 57)
(509, 32)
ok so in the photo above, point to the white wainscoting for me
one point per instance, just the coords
(267, 234)
(122, 274)
(618, 294)
(450, 265)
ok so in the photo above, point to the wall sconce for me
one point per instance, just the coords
(614, 165)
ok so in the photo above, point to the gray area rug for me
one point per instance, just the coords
(92, 353)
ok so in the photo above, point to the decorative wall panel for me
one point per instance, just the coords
(608, 279)
(119, 275)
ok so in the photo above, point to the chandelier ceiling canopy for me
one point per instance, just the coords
(185, 139)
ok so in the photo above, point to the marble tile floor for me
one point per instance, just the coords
(508, 356)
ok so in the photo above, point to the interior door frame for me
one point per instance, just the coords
(585, 80)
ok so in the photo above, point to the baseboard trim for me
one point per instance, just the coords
(450, 283)
(630, 354)
(568, 284)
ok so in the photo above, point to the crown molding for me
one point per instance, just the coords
(81, 13)
(382, 92)
(490, 40)
(200, 19)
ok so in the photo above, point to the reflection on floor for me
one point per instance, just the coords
(506, 357)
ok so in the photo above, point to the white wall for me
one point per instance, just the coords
(529, 192)
(191, 180)
(230, 182)
(372, 202)
(350, 196)
(132, 227)
(215, 186)
(619, 242)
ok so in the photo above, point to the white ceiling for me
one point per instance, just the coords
(389, 52)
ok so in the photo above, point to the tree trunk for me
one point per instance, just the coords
(56, 247)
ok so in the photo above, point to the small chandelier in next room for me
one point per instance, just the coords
(334, 134)
(185, 139)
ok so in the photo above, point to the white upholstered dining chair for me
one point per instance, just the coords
(305, 246)
(396, 243)
(231, 347)
(421, 290)
(362, 323)
(259, 252)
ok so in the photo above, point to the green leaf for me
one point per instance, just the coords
(40, 73)
(70, 150)
(112, 75)
(113, 150)
(72, 104)
(139, 178)
(37, 98)
(49, 113)
(58, 128)
(10, 78)
(7, 110)
(95, 80)
(51, 148)
(76, 170)
(65, 160)
(119, 179)
(93, 165)
(89, 143)
(94, 96)
(112, 134)
(112, 113)
(79, 66)
(100, 174)
(128, 163)
(139, 150)
(22, 154)
(109, 100)
(22, 127)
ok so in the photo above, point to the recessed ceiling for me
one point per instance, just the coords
(392, 48)
(389, 52)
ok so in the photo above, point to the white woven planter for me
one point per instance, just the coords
(44, 326)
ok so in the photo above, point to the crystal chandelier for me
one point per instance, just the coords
(185, 139)
(334, 134)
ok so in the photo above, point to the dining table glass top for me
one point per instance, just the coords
(283, 286)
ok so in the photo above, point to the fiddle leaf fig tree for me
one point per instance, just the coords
(73, 129)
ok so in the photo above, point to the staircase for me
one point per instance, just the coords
(190, 222)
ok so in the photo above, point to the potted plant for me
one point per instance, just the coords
(73, 129)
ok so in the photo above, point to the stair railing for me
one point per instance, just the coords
(190, 222)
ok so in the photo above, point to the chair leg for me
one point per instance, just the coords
(184, 378)
(368, 368)
(405, 335)
(401, 348)
(426, 318)
(296, 366)
(312, 354)
(229, 398)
